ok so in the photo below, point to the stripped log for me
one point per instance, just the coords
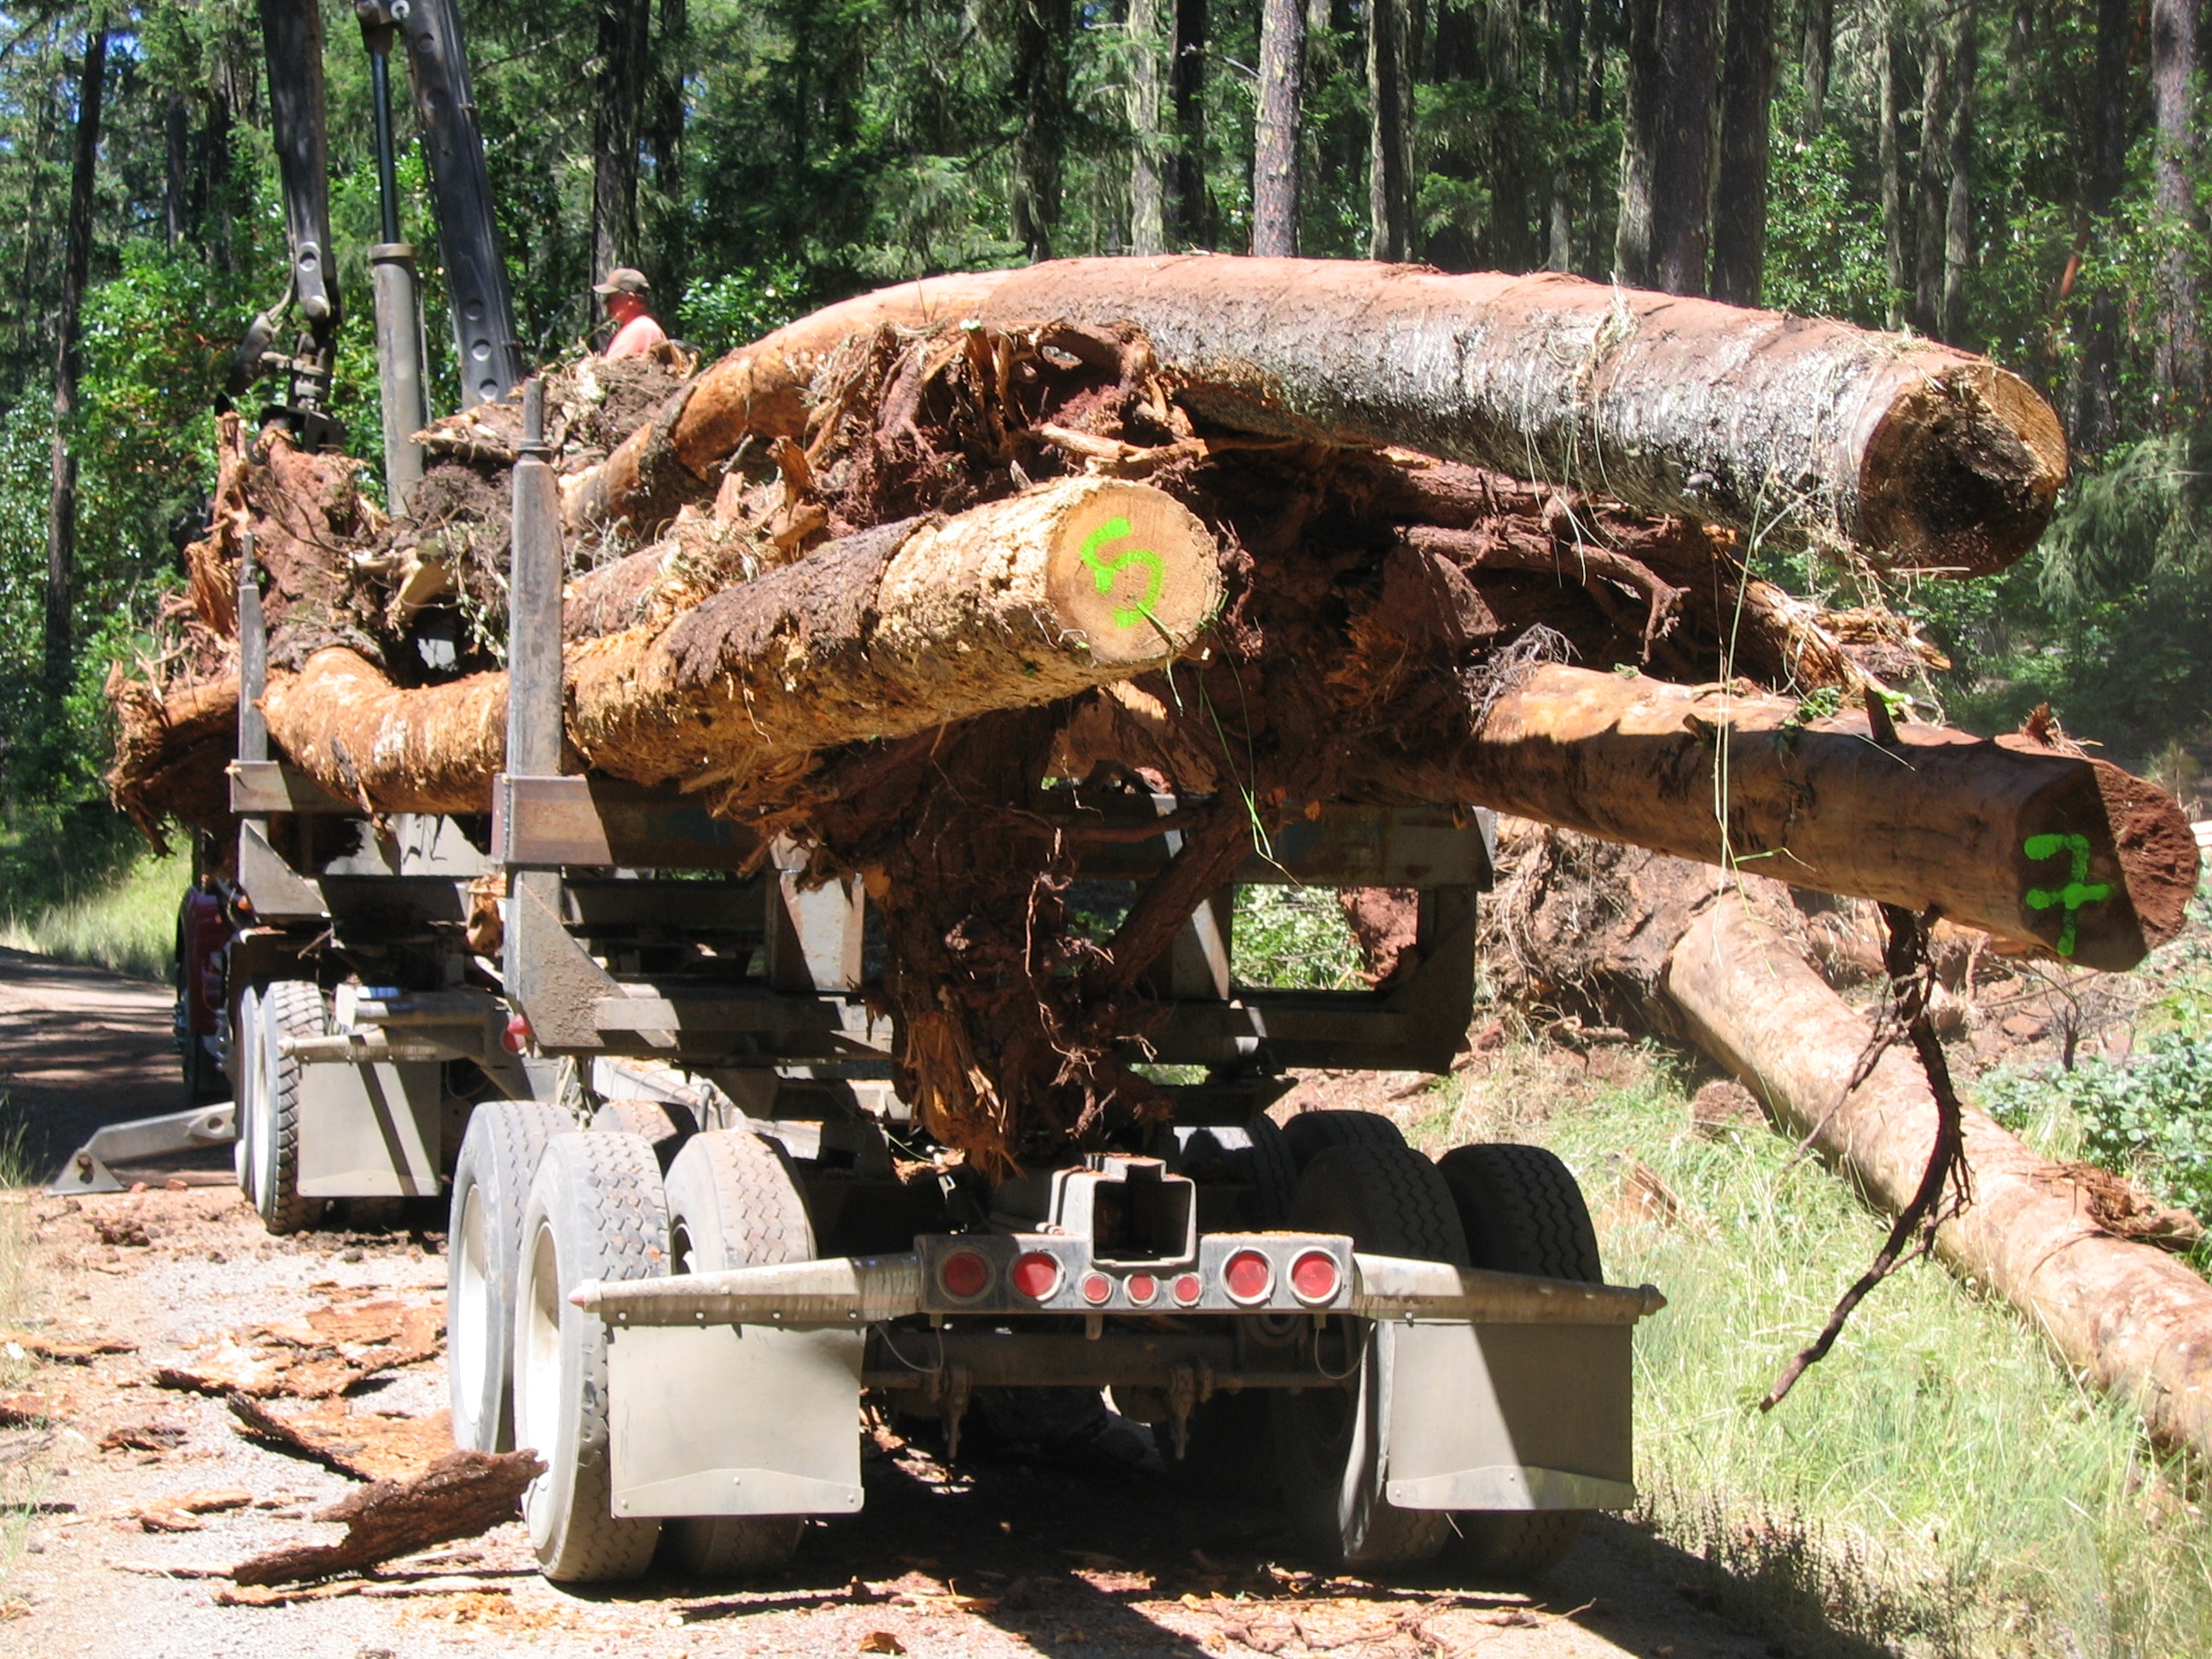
(2028, 842)
(1930, 457)
(2127, 1316)
(1017, 603)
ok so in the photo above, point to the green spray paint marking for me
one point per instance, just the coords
(2075, 893)
(1102, 571)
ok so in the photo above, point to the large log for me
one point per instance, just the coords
(1931, 457)
(2056, 850)
(2128, 1316)
(1014, 604)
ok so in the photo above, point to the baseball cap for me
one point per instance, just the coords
(623, 280)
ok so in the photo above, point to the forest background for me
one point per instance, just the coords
(2021, 176)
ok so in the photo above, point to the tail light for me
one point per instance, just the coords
(1142, 1288)
(1187, 1290)
(1247, 1277)
(516, 1037)
(965, 1274)
(1035, 1276)
(1314, 1277)
(1096, 1288)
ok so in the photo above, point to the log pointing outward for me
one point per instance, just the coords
(2032, 844)
(1929, 457)
(1019, 602)
(2135, 1319)
(460, 1496)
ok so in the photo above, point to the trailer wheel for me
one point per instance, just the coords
(1392, 1200)
(491, 1184)
(1274, 1168)
(733, 1203)
(596, 1211)
(289, 1008)
(1309, 1134)
(664, 1124)
(1522, 1213)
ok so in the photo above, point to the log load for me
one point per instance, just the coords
(1024, 601)
(1927, 458)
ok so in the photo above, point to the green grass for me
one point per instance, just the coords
(126, 923)
(1938, 1483)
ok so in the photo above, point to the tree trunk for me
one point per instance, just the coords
(2096, 389)
(1190, 214)
(1041, 31)
(1275, 160)
(1932, 457)
(2066, 852)
(1666, 160)
(1933, 187)
(1511, 242)
(1389, 132)
(1148, 149)
(1818, 56)
(618, 103)
(1562, 76)
(1891, 163)
(894, 631)
(1959, 215)
(1740, 205)
(2125, 1316)
(670, 252)
(76, 264)
(2180, 299)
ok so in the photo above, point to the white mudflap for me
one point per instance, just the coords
(1507, 1417)
(735, 1419)
(370, 1131)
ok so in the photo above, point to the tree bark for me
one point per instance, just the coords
(1891, 165)
(1959, 215)
(1740, 205)
(1148, 45)
(1389, 132)
(76, 265)
(625, 29)
(1019, 603)
(1276, 159)
(1042, 29)
(1667, 159)
(1818, 54)
(1509, 241)
(1563, 76)
(2127, 1316)
(460, 1496)
(1190, 211)
(2181, 376)
(2095, 414)
(669, 254)
(1931, 459)
(2065, 853)
(1932, 191)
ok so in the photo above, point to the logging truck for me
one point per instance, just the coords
(694, 1230)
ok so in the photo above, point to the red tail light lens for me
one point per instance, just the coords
(1096, 1288)
(1315, 1276)
(1142, 1288)
(1247, 1277)
(1036, 1275)
(965, 1274)
(1187, 1290)
(516, 1037)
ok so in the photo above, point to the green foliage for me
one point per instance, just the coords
(1293, 938)
(2149, 1117)
(740, 306)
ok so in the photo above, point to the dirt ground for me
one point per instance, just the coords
(1009, 1551)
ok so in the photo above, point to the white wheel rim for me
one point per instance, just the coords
(470, 1337)
(264, 1124)
(537, 1350)
(247, 1160)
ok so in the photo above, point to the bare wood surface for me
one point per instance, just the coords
(2057, 850)
(2128, 1316)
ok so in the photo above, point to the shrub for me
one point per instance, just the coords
(2149, 1117)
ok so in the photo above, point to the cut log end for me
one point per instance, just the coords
(1132, 573)
(1962, 474)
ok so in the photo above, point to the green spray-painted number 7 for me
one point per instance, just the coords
(2075, 893)
(1102, 571)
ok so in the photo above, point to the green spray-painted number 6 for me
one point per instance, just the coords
(2075, 893)
(1102, 571)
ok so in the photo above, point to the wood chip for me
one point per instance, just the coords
(70, 1351)
(366, 1445)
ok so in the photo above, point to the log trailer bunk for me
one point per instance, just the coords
(691, 1225)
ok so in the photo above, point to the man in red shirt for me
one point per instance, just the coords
(636, 331)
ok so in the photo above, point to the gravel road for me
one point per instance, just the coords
(1010, 1551)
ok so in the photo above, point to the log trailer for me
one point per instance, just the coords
(692, 1226)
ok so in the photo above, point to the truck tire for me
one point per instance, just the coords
(733, 1203)
(1392, 1200)
(246, 1078)
(289, 1008)
(1273, 1170)
(1522, 1213)
(1309, 1134)
(596, 1211)
(664, 1124)
(491, 1184)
